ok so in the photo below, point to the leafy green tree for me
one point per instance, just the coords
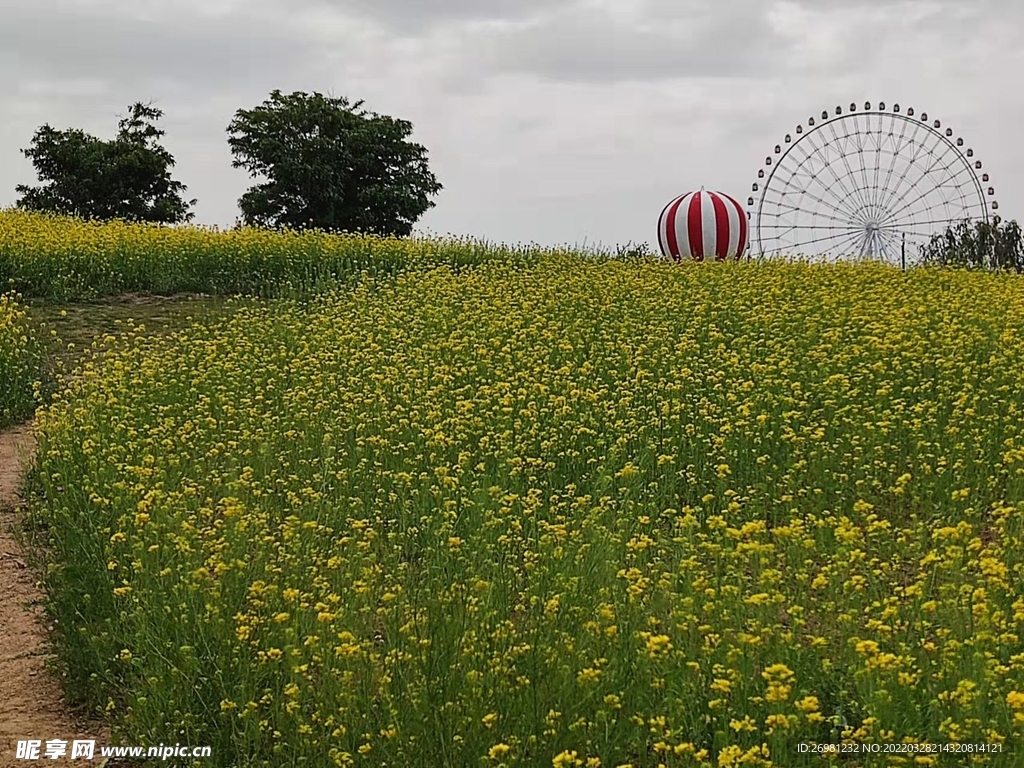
(985, 245)
(330, 165)
(127, 177)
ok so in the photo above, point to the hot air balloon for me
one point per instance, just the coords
(703, 225)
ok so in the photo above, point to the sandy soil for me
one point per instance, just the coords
(31, 706)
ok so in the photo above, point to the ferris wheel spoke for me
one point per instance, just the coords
(924, 180)
(924, 214)
(861, 148)
(916, 149)
(871, 245)
(881, 243)
(888, 144)
(900, 226)
(848, 198)
(937, 194)
(834, 237)
(900, 143)
(855, 240)
(913, 233)
(844, 216)
(794, 247)
(785, 233)
(919, 150)
(789, 227)
(842, 205)
(927, 191)
(796, 210)
(866, 182)
(949, 185)
(878, 166)
(910, 216)
(881, 192)
(858, 193)
(914, 230)
(890, 240)
(856, 134)
(785, 230)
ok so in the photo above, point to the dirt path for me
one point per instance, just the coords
(31, 706)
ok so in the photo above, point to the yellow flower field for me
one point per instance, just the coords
(18, 362)
(579, 514)
(62, 258)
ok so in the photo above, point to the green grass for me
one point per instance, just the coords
(42, 342)
(65, 259)
(642, 514)
(70, 329)
(20, 356)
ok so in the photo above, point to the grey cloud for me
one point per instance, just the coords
(547, 120)
(50, 39)
(414, 16)
(587, 43)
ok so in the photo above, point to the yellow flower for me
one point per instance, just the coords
(721, 684)
(867, 647)
(566, 759)
(729, 756)
(539, 469)
(612, 701)
(746, 724)
(498, 751)
(656, 645)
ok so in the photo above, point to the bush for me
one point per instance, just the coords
(986, 245)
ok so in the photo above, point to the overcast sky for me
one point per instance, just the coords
(553, 121)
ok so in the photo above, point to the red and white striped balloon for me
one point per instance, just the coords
(701, 225)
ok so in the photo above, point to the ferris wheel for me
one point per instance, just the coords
(867, 183)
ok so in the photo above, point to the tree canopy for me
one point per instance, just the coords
(127, 177)
(331, 165)
(984, 245)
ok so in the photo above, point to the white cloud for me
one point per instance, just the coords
(546, 120)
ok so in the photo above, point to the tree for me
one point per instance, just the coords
(127, 177)
(330, 165)
(985, 245)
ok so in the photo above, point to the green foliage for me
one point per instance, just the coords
(985, 245)
(330, 165)
(535, 517)
(19, 362)
(57, 257)
(127, 177)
